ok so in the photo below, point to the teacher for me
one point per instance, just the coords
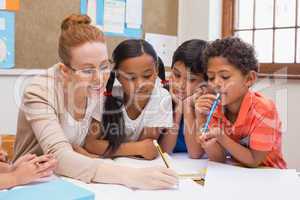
(56, 111)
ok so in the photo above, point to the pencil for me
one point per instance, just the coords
(161, 153)
(212, 110)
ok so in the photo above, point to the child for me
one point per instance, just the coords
(186, 78)
(133, 113)
(26, 169)
(249, 127)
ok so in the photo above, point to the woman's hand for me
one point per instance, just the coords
(152, 178)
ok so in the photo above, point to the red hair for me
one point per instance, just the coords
(75, 31)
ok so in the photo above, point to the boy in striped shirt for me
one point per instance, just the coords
(246, 124)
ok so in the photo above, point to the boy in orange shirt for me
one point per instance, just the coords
(246, 124)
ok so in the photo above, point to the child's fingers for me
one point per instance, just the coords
(28, 157)
(201, 139)
(197, 93)
(50, 155)
(214, 132)
(217, 131)
(3, 155)
(210, 135)
(46, 166)
(2, 152)
(40, 159)
(204, 102)
(25, 158)
(198, 139)
(209, 96)
(45, 174)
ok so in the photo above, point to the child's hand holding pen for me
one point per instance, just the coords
(204, 102)
(210, 137)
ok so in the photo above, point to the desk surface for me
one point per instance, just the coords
(186, 190)
(111, 192)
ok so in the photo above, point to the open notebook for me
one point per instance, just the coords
(186, 189)
(184, 166)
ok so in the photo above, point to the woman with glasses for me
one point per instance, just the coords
(57, 107)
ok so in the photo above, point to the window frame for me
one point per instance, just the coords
(291, 70)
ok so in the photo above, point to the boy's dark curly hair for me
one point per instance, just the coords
(236, 51)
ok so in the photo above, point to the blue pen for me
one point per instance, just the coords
(212, 110)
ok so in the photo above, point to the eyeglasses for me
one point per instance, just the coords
(89, 72)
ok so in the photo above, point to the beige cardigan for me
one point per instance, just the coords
(39, 129)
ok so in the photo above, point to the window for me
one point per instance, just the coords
(272, 26)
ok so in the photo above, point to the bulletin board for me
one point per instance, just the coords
(37, 28)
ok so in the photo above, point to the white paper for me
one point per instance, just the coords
(92, 10)
(229, 183)
(115, 192)
(3, 50)
(3, 4)
(164, 45)
(187, 167)
(104, 191)
(223, 182)
(178, 162)
(134, 13)
(114, 16)
(187, 189)
(2, 24)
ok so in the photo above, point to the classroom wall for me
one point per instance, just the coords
(198, 19)
(12, 84)
(40, 22)
(8, 107)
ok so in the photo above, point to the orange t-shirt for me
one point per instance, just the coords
(257, 127)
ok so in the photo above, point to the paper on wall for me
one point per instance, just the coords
(114, 16)
(164, 45)
(134, 13)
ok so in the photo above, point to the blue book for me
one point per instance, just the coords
(56, 189)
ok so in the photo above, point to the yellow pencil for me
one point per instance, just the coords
(161, 153)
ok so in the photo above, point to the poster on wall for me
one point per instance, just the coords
(164, 45)
(7, 39)
(116, 17)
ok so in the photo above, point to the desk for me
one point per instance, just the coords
(187, 190)
(112, 192)
(178, 161)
